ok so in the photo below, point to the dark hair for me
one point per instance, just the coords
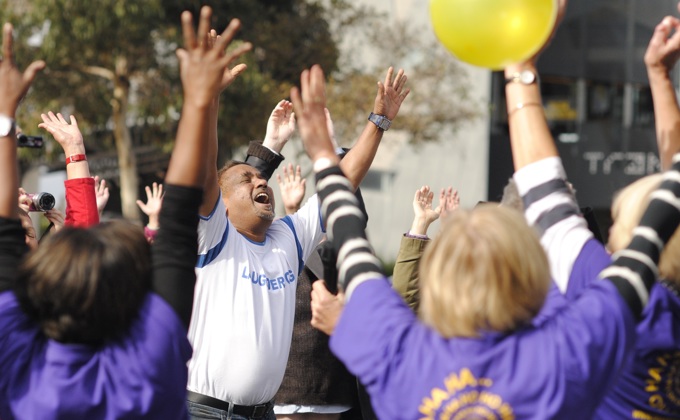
(86, 285)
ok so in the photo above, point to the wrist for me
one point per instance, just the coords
(419, 227)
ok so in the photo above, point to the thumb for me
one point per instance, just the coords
(181, 54)
(32, 70)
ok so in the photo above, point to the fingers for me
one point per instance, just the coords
(204, 27)
(296, 99)
(32, 71)
(228, 35)
(188, 32)
(149, 194)
(319, 288)
(388, 77)
(298, 173)
(7, 41)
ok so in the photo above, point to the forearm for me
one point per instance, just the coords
(666, 115)
(81, 202)
(10, 177)
(345, 229)
(174, 250)
(405, 278)
(209, 157)
(635, 268)
(357, 162)
(530, 136)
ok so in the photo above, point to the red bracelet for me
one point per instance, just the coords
(75, 158)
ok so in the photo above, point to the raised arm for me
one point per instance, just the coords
(550, 205)
(211, 186)
(391, 94)
(339, 206)
(661, 56)
(405, 278)
(204, 70)
(81, 201)
(13, 86)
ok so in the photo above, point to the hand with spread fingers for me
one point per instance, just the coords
(449, 201)
(292, 187)
(391, 94)
(204, 62)
(280, 126)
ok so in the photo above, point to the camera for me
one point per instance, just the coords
(24, 140)
(41, 202)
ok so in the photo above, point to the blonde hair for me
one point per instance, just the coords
(627, 209)
(486, 271)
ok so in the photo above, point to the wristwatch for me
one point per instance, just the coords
(525, 77)
(7, 126)
(380, 120)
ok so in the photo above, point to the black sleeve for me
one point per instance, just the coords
(175, 248)
(12, 250)
(345, 224)
(263, 159)
(635, 268)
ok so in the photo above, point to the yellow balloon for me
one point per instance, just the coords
(493, 33)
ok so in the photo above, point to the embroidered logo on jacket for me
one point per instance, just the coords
(464, 397)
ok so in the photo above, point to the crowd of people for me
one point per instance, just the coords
(219, 309)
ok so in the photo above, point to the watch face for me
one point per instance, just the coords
(5, 126)
(527, 77)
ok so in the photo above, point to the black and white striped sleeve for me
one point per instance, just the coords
(551, 208)
(635, 268)
(345, 223)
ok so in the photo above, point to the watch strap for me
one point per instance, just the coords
(380, 121)
(75, 158)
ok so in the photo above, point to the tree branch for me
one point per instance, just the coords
(97, 71)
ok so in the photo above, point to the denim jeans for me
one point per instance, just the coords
(204, 412)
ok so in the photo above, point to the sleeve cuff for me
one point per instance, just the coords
(538, 173)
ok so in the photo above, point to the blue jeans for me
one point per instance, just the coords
(204, 412)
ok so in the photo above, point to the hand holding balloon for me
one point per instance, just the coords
(494, 33)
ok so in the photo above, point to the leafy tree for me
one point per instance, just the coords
(112, 62)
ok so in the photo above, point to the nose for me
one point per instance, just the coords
(260, 182)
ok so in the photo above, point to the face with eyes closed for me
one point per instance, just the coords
(248, 198)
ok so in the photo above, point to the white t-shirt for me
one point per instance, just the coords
(244, 304)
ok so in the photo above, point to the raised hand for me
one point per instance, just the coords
(153, 205)
(309, 103)
(67, 134)
(391, 94)
(423, 212)
(663, 50)
(292, 187)
(204, 63)
(13, 83)
(326, 307)
(449, 201)
(280, 126)
(101, 192)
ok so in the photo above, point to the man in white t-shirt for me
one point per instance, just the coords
(247, 270)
